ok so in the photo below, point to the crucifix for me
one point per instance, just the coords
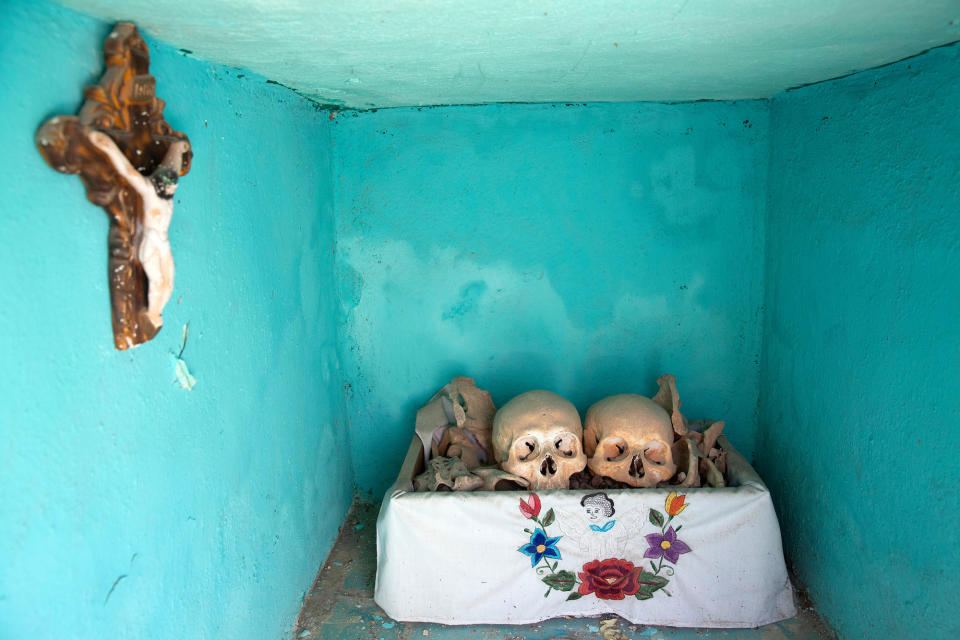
(129, 159)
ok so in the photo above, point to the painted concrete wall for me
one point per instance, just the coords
(391, 53)
(213, 508)
(860, 401)
(581, 248)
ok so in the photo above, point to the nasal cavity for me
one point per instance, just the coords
(548, 467)
(636, 467)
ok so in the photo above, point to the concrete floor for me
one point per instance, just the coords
(340, 606)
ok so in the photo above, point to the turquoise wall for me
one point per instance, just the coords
(217, 505)
(860, 393)
(580, 248)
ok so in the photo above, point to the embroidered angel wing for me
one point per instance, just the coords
(572, 526)
(629, 525)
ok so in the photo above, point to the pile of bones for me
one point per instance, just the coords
(536, 441)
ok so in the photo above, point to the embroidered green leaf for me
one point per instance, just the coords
(576, 595)
(561, 580)
(656, 518)
(650, 582)
(548, 519)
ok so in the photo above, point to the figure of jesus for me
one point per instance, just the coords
(156, 197)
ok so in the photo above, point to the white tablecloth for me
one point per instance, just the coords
(479, 558)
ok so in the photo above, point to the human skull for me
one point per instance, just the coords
(628, 437)
(537, 437)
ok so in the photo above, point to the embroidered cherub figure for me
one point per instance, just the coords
(593, 529)
(598, 507)
(156, 195)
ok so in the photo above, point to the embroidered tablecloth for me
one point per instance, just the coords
(699, 557)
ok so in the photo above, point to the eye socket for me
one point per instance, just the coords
(526, 448)
(656, 452)
(613, 449)
(567, 445)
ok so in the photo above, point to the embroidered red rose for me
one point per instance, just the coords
(610, 579)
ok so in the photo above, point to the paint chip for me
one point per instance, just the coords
(389, 625)
(186, 380)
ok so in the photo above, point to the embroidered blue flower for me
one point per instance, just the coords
(540, 545)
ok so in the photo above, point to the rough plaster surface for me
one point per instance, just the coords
(372, 53)
(584, 249)
(581, 249)
(207, 512)
(860, 394)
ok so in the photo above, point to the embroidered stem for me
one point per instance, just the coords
(547, 570)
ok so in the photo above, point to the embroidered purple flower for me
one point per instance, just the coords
(665, 546)
(540, 545)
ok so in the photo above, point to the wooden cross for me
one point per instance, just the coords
(124, 106)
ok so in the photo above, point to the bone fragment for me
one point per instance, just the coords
(494, 479)
(711, 474)
(711, 434)
(446, 474)
(458, 416)
(668, 398)
(686, 455)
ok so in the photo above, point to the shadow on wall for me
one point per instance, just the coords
(586, 250)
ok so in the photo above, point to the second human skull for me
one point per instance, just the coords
(629, 438)
(537, 437)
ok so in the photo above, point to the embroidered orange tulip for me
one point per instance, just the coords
(675, 504)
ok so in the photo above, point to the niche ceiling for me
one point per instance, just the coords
(386, 53)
